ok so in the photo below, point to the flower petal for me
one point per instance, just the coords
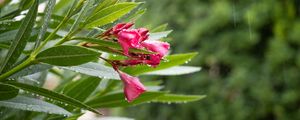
(144, 33)
(129, 39)
(121, 26)
(161, 48)
(133, 88)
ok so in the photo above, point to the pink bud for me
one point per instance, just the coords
(157, 46)
(132, 86)
(116, 29)
(150, 59)
(153, 60)
(121, 26)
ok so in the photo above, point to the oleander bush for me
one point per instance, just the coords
(61, 59)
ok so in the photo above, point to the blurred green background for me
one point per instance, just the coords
(249, 52)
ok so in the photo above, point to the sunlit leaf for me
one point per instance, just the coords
(159, 35)
(177, 70)
(110, 14)
(104, 4)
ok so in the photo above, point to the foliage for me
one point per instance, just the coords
(249, 51)
(67, 41)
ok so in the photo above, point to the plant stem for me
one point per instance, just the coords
(21, 66)
(68, 37)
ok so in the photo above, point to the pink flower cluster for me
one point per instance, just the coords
(137, 39)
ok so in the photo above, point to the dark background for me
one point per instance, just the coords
(249, 54)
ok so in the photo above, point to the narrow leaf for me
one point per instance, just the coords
(170, 61)
(177, 70)
(159, 35)
(110, 14)
(53, 95)
(135, 16)
(31, 104)
(173, 98)
(81, 89)
(7, 92)
(19, 43)
(104, 4)
(82, 15)
(67, 55)
(47, 17)
(31, 70)
(160, 28)
(118, 100)
(8, 36)
(96, 70)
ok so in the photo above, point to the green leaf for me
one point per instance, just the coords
(74, 117)
(110, 14)
(160, 28)
(81, 89)
(8, 36)
(31, 104)
(62, 5)
(96, 70)
(118, 100)
(7, 92)
(47, 17)
(159, 35)
(82, 15)
(9, 25)
(176, 70)
(104, 4)
(19, 43)
(31, 70)
(67, 55)
(173, 98)
(170, 61)
(104, 45)
(109, 86)
(53, 95)
(135, 16)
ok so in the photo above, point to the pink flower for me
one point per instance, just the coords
(161, 49)
(133, 88)
(150, 59)
(157, 46)
(153, 60)
(144, 33)
(129, 39)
